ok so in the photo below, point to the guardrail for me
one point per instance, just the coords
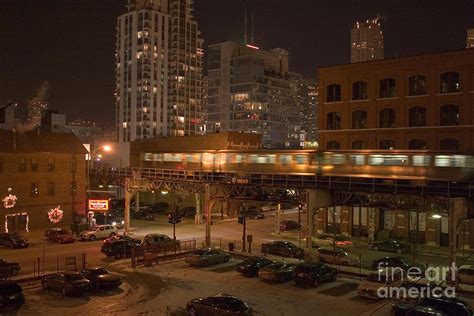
(149, 255)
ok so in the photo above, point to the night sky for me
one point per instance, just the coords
(71, 43)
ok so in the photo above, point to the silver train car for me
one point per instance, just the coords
(393, 164)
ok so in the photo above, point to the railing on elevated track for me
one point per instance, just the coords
(308, 181)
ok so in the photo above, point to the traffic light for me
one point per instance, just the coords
(240, 219)
(174, 218)
(300, 207)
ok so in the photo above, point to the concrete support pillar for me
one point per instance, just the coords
(346, 220)
(321, 221)
(402, 226)
(372, 224)
(432, 230)
(198, 216)
(316, 199)
(137, 202)
(208, 212)
(457, 216)
(128, 199)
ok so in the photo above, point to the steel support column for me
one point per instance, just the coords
(207, 210)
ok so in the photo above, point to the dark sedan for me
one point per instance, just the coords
(219, 304)
(440, 305)
(251, 265)
(122, 237)
(11, 296)
(278, 271)
(397, 262)
(314, 273)
(8, 269)
(61, 236)
(101, 278)
(13, 240)
(205, 257)
(68, 283)
(119, 248)
(289, 224)
(284, 249)
(390, 245)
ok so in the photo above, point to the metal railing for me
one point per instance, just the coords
(300, 181)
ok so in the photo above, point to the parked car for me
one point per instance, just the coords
(13, 240)
(219, 304)
(253, 214)
(383, 278)
(337, 256)
(412, 291)
(99, 232)
(390, 245)
(160, 207)
(143, 215)
(8, 269)
(119, 248)
(122, 237)
(418, 310)
(187, 211)
(448, 306)
(11, 296)
(61, 236)
(278, 271)
(269, 207)
(205, 257)
(397, 262)
(466, 274)
(289, 224)
(252, 265)
(328, 240)
(50, 231)
(110, 218)
(314, 273)
(284, 249)
(68, 283)
(160, 242)
(101, 278)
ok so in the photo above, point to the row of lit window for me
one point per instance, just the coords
(449, 116)
(445, 144)
(449, 83)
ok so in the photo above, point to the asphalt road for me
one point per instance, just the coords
(221, 232)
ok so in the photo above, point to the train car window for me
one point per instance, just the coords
(301, 159)
(189, 158)
(338, 159)
(450, 161)
(388, 160)
(357, 159)
(158, 157)
(262, 159)
(285, 159)
(208, 158)
(148, 157)
(230, 158)
(222, 158)
(173, 157)
(238, 158)
(421, 160)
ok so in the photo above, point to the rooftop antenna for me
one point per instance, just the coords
(252, 27)
(245, 22)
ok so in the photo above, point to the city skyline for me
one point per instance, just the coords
(83, 89)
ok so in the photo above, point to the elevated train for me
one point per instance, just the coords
(387, 164)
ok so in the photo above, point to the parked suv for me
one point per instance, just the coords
(160, 242)
(119, 248)
(337, 256)
(314, 273)
(8, 269)
(11, 296)
(99, 232)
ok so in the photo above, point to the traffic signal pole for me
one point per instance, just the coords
(244, 221)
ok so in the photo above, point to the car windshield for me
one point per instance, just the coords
(341, 252)
(73, 277)
(275, 266)
(100, 271)
(378, 278)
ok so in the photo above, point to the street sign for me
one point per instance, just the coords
(98, 205)
(249, 238)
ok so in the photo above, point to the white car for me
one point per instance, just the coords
(379, 282)
(99, 232)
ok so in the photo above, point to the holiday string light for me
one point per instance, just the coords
(18, 214)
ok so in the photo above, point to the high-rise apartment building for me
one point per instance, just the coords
(158, 71)
(249, 91)
(366, 41)
(305, 94)
(470, 38)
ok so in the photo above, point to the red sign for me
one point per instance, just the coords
(98, 205)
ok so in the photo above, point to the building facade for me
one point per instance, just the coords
(158, 71)
(470, 38)
(43, 171)
(367, 41)
(416, 102)
(7, 116)
(249, 90)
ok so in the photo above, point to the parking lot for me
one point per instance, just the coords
(165, 288)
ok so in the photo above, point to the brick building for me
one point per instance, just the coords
(414, 102)
(43, 170)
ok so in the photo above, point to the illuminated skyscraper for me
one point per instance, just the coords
(470, 38)
(366, 41)
(158, 71)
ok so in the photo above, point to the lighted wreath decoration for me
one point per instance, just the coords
(9, 201)
(56, 214)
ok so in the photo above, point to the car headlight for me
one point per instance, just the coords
(123, 222)
(114, 223)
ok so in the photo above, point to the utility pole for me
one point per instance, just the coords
(244, 228)
(174, 219)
